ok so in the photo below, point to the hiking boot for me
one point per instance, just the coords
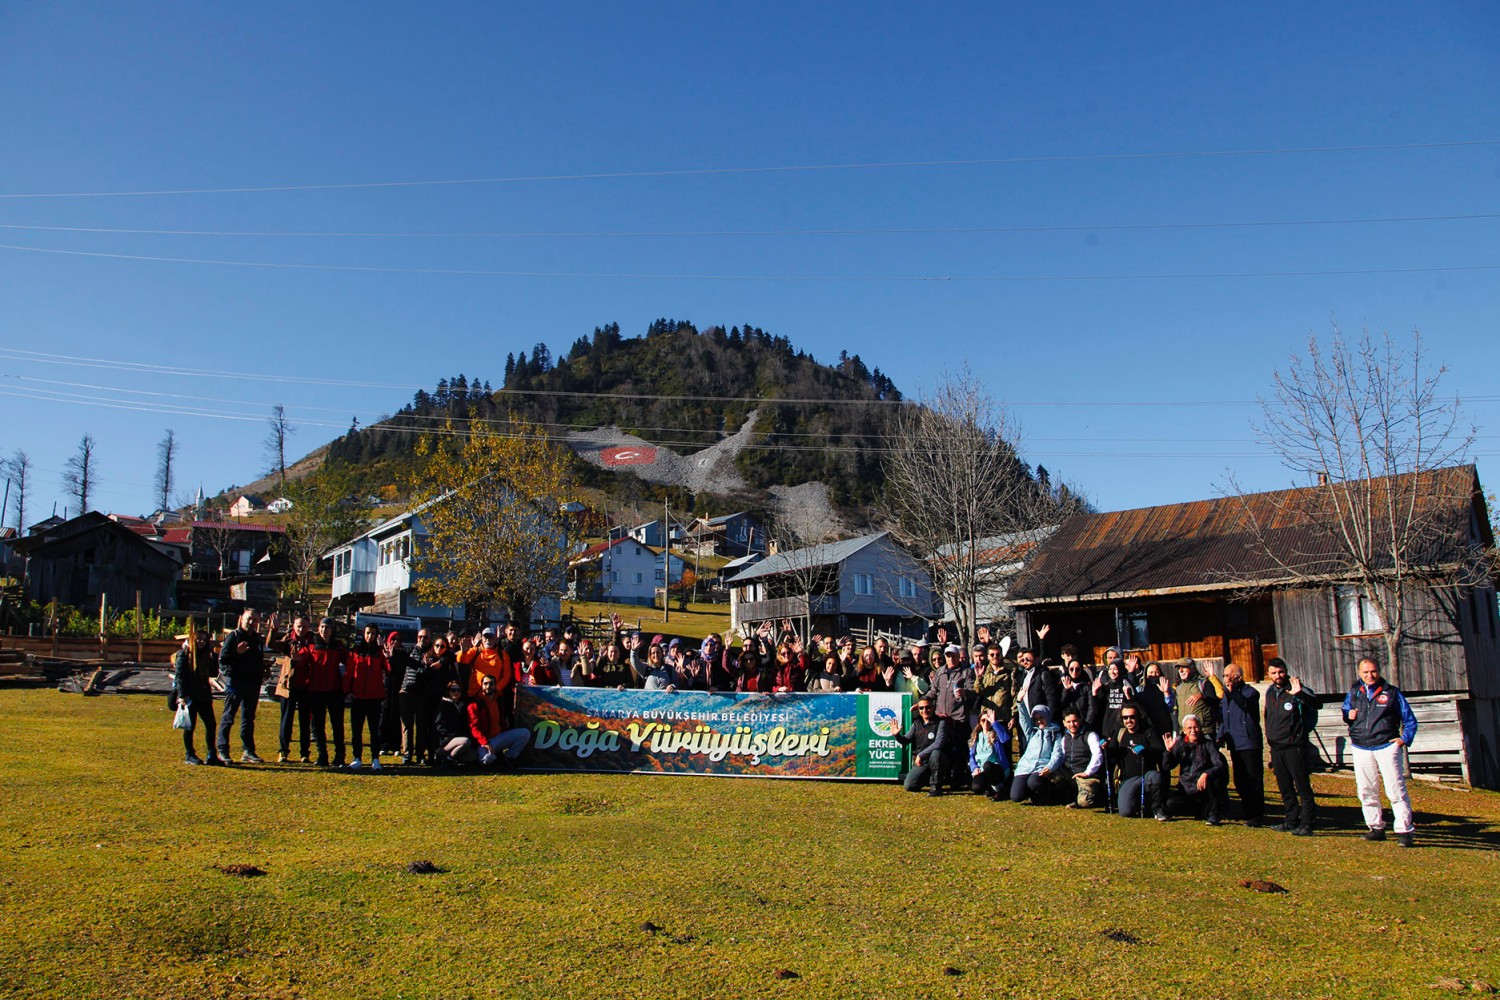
(1303, 831)
(192, 758)
(355, 765)
(251, 757)
(1406, 840)
(215, 761)
(1376, 833)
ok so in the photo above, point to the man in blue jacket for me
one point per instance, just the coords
(1239, 733)
(1380, 723)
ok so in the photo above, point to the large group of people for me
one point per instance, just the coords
(988, 718)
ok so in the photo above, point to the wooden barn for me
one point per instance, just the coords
(76, 561)
(1193, 580)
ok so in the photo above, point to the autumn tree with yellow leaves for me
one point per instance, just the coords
(489, 496)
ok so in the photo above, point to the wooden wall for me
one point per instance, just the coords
(1432, 658)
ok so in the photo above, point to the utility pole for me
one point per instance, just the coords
(666, 562)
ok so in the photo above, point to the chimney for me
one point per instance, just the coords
(1322, 479)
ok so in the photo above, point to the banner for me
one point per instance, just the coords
(847, 736)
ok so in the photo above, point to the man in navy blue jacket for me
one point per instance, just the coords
(1239, 733)
(1381, 724)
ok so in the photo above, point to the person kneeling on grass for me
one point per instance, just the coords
(1040, 765)
(192, 667)
(455, 745)
(1082, 761)
(1202, 776)
(989, 762)
(1138, 752)
(495, 743)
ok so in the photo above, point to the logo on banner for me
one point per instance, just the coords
(885, 720)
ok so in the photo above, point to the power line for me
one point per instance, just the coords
(640, 276)
(736, 233)
(780, 169)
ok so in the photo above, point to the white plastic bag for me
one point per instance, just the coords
(184, 717)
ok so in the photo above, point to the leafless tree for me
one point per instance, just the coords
(954, 483)
(79, 478)
(275, 442)
(18, 471)
(1376, 446)
(806, 577)
(166, 453)
(220, 537)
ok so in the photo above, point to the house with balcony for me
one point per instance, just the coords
(622, 571)
(868, 583)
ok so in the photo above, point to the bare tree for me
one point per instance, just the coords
(79, 478)
(275, 442)
(1376, 445)
(166, 453)
(220, 537)
(18, 471)
(954, 484)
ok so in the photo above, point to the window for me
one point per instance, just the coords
(614, 576)
(908, 587)
(1357, 615)
(864, 584)
(640, 578)
(1137, 635)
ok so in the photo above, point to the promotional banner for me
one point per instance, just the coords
(849, 736)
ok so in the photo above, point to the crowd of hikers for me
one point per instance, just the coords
(989, 718)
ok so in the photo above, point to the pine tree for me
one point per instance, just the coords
(510, 369)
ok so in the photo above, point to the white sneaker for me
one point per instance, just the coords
(375, 765)
(354, 764)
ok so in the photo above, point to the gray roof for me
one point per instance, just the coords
(797, 560)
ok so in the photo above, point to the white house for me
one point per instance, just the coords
(856, 583)
(374, 572)
(998, 560)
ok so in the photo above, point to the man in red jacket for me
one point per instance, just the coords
(323, 664)
(364, 683)
(487, 727)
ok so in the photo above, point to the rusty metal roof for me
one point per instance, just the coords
(1213, 544)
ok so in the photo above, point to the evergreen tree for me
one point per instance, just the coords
(510, 369)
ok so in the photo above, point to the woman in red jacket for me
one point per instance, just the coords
(364, 683)
(323, 663)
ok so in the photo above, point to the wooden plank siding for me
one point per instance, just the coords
(1432, 658)
(1439, 746)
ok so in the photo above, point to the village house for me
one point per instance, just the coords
(76, 561)
(998, 559)
(247, 504)
(868, 583)
(1191, 580)
(732, 535)
(622, 571)
(374, 572)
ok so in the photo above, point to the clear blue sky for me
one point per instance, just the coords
(99, 98)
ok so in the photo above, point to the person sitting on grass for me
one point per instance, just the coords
(495, 743)
(989, 764)
(1083, 760)
(1040, 766)
(455, 744)
(921, 736)
(1138, 752)
(1202, 775)
(193, 667)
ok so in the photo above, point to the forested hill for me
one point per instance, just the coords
(678, 387)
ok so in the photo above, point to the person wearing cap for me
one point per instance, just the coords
(1040, 768)
(1196, 696)
(952, 690)
(921, 736)
(325, 663)
(364, 685)
(193, 670)
(488, 659)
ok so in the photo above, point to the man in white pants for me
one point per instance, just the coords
(1381, 724)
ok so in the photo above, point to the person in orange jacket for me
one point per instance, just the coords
(323, 663)
(489, 659)
(364, 683)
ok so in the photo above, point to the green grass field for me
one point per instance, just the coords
(109, 886)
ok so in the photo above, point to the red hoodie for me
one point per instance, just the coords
(365, 676)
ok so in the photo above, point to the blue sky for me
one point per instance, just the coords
(1071, 109)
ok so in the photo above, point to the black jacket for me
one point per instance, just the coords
(1138, 753)
(920, 737)
(191, 685)
(1286, 717)
(1044, 689)
(246, 670)
(450, 721)
(1195, 760)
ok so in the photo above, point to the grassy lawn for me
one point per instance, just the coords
(109, 885)
(697, 621)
